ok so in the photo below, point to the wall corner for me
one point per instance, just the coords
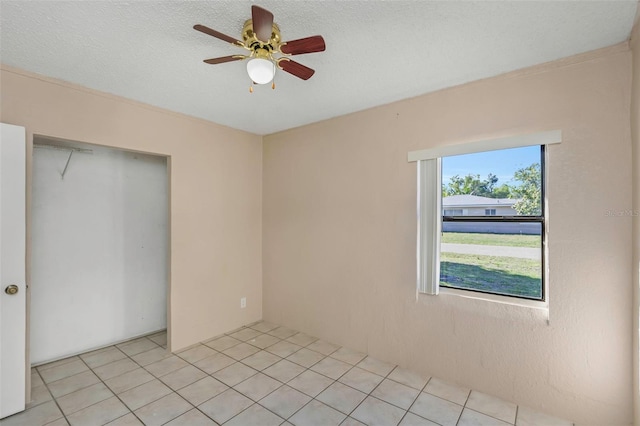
(635, 141)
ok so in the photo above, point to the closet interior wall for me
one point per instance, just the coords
(99, 219)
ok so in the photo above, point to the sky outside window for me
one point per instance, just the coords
(502, 163)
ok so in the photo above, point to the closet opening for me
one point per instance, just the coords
(99, 259)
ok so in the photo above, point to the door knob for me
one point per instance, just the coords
(11, 289)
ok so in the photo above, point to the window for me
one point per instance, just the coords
(485, 251)
(492, 241)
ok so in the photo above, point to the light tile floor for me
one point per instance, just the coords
(257, 375)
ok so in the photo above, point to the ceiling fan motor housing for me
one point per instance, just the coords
(251, 40)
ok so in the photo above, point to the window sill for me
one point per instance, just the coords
(495, 305)
(525, 303)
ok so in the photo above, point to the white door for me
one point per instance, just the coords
(12, 270)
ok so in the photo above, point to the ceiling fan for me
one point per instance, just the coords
(261, 37)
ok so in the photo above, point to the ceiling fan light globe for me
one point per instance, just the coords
(261, 71)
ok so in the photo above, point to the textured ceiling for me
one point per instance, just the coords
(377, 51)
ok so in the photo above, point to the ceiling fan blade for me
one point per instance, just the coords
(217, 34)
(262, 23)
(224, 59)
(304, 45)
(293, 67)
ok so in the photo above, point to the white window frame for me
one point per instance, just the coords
(429, 212)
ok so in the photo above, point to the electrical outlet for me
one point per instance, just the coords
(243, 302)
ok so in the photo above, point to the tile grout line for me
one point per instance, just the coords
(211, 375)
(286, 383)
(58, 362)
(374, 388)
(68, 377)
(207, 375)
(79, 358)
(156, 378)
(485, 414)
(414, 399)
(107, 386)
(314, 398)
(55, 401)
(161, 381)
(337, 381)
(240, 361)
(196, 367)
(463, 407)
(283, 383)
(258, 371)
(116, 395)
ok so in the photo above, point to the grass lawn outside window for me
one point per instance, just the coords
(516, 275)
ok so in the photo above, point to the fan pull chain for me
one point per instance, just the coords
(273, 86)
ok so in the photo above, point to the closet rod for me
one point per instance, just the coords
(64, 148)
(66, 165)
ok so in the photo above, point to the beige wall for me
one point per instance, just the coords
(635, 137)
(215, 190)
(339, 222)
